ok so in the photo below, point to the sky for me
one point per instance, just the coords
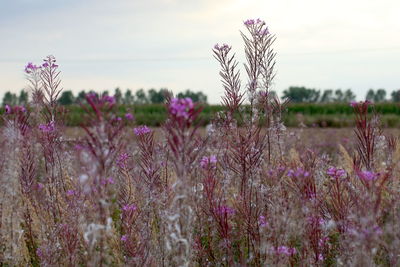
(103, 44)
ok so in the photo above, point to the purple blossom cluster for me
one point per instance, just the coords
(262, 221)
(48, 127)
(355, 104)
(49, 62)
(368, 175)
(129, 207)
(105, 99)
(284, 250)
(336, 173)
(222, 48)
(16, 109)
(129, 116)
(30, 67)
(250, 22)
(181, 107)
(141, 130)
(107, 181)
(208, 162)
(121, 160)
(298, 173)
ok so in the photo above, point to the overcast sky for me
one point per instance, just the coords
(103, 44)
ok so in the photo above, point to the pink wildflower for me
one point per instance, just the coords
(262, 221)
(336, 173)
(71, 192)
(222, 48)
(283, 250)
(298, 173)
(368, 175)
(181, 107)
(30, 68)
(131, 207)
(122, 158)
(141, 130)
(207, 162)
(129, 116)
(249, 22)
(8, 109)
(47, 128)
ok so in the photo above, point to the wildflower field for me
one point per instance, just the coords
(120, 193)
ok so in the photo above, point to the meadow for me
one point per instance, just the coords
(244, 191)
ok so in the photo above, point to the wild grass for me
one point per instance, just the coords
(233, 196)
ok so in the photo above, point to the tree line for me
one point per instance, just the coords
(151, 96)
(302, 94)
(296, 94)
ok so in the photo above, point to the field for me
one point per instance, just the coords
(244, 191)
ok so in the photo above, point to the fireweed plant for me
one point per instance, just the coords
(234, 196)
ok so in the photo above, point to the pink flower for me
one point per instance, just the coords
(47, 128)
(108, 99)
(124, 238)
(122, 158)
(283, 250)
(131, 207)
(30, 67)
(141, 130)
(368, 175)
(207, 162)
(8, 109)
(298, 173)
(129, 116)
(336, 173)
(263, 32)
(70, 192)
(222, 48)
(262, 221)
(181, 107)
(109, 180)
(249, 22)
(353, 104)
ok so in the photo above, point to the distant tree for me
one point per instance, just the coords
(118, 95)
(339, 96)
(10, 99)
(66, 98)
(396, 96)
(370, 95)
(301, 94)
(327, 96)
(105, 92)
(157, 97)
(81, 97)
(23, 98)
(128, 98)
(349, 96)
(380, 95)
(195, 96)
(141, 97)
